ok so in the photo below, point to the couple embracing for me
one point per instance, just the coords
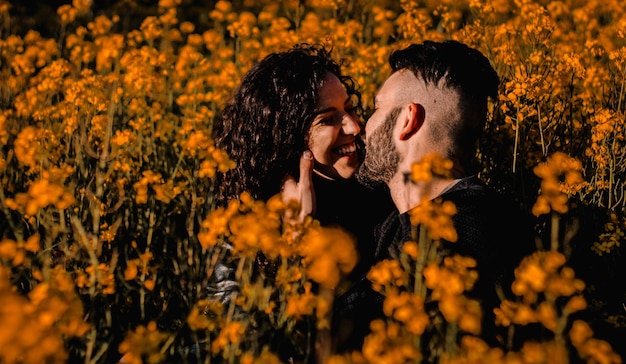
(293, 126)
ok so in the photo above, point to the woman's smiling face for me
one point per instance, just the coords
(334, 131)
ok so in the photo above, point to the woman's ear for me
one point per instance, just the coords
(413, 121)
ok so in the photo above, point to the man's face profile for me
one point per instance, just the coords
(381, 156)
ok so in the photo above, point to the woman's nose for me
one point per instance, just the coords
(351, 125)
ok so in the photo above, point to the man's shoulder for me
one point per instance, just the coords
(474, 192)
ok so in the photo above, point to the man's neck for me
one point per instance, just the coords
(407, 194)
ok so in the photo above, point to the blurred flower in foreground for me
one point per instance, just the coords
(435, 215)
(143, 345)
(35, 327)
(329, 253)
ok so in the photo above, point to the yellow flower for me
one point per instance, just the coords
(9, 251)
(223, 6)
(149, 284)
(26, 145)
(561, 175)
(82, 6)
(612, 236)
(32, 243)
(386, 344)
(470, 320)
(151, 28)
(299, 305)
(266, 357)
(230, 333)
(67, 13)
(123, 137)
(411, 249)
(407, 309)
(443, 281)
(215, 224)
(329, 254)
(101, 25)
(206, 315)
(436, 217)
(580, 333)
(40, 323)
(131, 270)
(169, 3)
(41, 194)
(575, 304)
(143, 342)
(438, 165)
(387, 272)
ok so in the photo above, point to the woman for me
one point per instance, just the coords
(288, 104)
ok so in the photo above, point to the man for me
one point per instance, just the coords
(436, 101)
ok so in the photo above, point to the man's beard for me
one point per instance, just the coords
(381, 156)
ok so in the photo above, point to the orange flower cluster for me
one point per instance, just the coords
(251, 226)
(41, 194)
(542, 281)
(561, 176)
(388, 344)
(408, 309)
(329, 254)
(433, 164)
(142, 345)
(590, 348)
(612, 236)
(436, 217)
(448, 282)
(40, 322)
(387, 273)
(17, 251)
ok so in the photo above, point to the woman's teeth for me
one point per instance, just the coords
(346, 149)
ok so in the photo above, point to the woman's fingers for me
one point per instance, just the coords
(302, 190)
(305, 185)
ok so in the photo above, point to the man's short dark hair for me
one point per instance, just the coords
(463, 69)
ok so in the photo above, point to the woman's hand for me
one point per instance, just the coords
(302, 191)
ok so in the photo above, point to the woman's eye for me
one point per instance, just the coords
(325, 121)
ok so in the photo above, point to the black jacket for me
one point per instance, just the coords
(490, 229)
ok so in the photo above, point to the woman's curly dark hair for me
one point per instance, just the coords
(265, 126)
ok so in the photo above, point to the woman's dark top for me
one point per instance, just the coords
(360, 211)
(355, 208)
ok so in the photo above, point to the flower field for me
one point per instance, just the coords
(108, 234)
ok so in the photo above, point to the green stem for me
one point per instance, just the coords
(516, 142)
(554, 232)
(419, 287)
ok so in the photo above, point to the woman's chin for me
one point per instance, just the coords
(336, 172)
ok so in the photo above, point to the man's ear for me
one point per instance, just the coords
(413, 121)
